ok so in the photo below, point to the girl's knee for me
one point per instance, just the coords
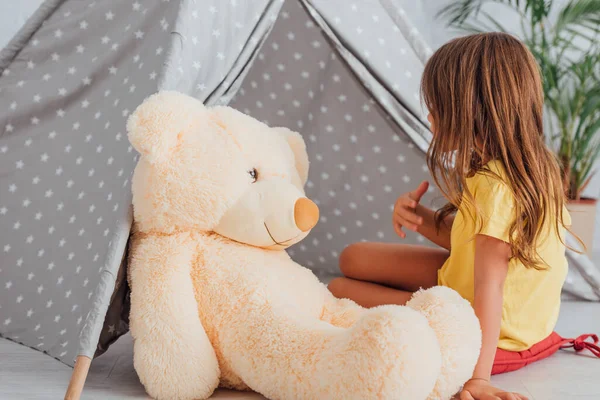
(337, 287)
(350, 259)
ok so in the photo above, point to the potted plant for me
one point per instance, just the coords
(568, 53)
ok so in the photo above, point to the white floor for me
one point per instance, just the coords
(27, 374)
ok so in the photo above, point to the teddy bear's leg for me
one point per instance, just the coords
(389, 353)
(458, 332)
(173, 356)
(341, 312)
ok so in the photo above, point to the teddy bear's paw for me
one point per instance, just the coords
(190, 377)
(392, 354)
(458, 333)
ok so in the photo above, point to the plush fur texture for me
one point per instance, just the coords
(215, 299)
(458, 333)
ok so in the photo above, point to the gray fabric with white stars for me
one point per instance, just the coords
(65, 162)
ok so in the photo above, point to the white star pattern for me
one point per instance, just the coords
(46, 182)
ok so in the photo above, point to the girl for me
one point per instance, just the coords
(502, 232)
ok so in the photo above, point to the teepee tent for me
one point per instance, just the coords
(344, 75)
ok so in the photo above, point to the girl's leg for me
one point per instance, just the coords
(367, 294)
(383, 273)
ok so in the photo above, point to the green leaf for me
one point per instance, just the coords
(586, 171)
(577, 11)
(578, 14)
(539, 10)
(587, 148)
(567, 43)
(467, 27)
(494, 22)
(591, 105)
(582, 33)
(459, 11)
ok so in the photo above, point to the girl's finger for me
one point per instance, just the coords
(466, 395)
(405, 223)
(520, 396)
(408, 202)
(398, 229)
(409, 217)
(490, 397)
(420, 191)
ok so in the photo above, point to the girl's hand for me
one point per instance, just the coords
(480, 389)
(405, 214)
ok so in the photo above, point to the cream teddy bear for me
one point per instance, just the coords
(215, 299)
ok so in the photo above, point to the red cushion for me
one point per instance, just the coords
(507, 361)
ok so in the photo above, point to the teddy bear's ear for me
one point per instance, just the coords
(296, 143)
(156, 126)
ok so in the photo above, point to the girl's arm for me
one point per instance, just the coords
(428, 229)
(491, 266)
(409, 214)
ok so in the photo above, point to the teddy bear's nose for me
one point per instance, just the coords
(306, 214)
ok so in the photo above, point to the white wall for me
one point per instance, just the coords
(422, 15)
(13, 14)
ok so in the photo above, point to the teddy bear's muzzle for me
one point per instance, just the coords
(272, 213)
(306, 214)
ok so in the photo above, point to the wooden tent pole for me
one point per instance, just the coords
(82, 366)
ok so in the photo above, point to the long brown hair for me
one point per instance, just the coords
(485, 95)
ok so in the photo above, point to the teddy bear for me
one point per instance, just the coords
(215, 299)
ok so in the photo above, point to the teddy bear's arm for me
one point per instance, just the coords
(172, 353)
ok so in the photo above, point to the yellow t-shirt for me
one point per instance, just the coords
(531, 297)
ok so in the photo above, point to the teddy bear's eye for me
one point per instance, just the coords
(254, 174)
